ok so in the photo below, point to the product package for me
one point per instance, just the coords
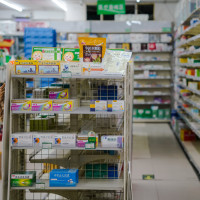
(115, 61)
(92, 51)
(84, 138)
(116, 105)
(46, 53)
(41, 105)
(48, 67)
(63, 178)
(98, 105)
(40, 139)
(21, 105)
(70, 55)
(23, 179)
(112, 141)
(58, 93)
(65, 140)
(73, 67)
(65, 105)
(22, 140)
(28, 67)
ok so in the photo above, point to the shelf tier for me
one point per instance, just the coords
(84, 184)
(190, 151)
(135, 120)
(152, 61)
(150, 103)
(105, 76)
(156, 69)
(164, 94)
(195, 52)
(72, 148)
(189, 42)
(189, 77)
(152, 87)
(189, 65)
(158, 77)
(190, 89)
(188, 123)
(191, 30)
(79, 110)
(149, 51)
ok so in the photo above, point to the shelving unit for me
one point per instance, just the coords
(103, 123)
(187, 95)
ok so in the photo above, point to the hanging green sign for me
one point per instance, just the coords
(111, 7)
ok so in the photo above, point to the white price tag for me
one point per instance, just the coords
(40, 186)
(46, 145)
(66, 74)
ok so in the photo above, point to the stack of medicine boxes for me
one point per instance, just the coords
(38, 37)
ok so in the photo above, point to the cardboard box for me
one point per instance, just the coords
(64, 178)
(26, 67)
(23, 179)
(22, 140)
(21, 105)
(65, 140)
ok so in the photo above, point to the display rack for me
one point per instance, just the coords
(113, 182)
(187, 90)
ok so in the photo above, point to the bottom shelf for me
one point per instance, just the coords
(192, 150)
(89, 184)
(135, 120)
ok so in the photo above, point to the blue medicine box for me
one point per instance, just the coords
(63, 178)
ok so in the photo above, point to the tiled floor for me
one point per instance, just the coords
(157, 152)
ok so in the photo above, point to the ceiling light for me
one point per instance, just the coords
(128, 23)
(60, 4)
(11, 5)
(137, 1)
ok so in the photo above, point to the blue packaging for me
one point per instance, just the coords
(63, 178)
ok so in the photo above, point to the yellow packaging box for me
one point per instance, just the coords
(28, 67)
(48, 67)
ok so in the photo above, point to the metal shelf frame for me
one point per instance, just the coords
(118, 185)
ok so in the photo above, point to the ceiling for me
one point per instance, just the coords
(49, 5)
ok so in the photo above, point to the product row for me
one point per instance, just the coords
(154, 113)
(87, 140)
(65, 105)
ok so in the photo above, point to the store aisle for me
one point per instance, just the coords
(157, 152)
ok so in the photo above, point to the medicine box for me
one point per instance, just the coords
(112, 141)
(46, 53)
(42, 105)
(22, 140)
(21, 105)
(71, 54)
(58, 93)
(48, 67)
(40, 139)
(74, 67)
(23, 179)
(65, 105)
(116, 105)
(27, 67)
(65, 140)
(98, 105)
(63, 178)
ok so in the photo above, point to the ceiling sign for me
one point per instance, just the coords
(111, 7)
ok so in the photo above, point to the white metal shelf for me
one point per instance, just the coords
(188, 88)
(153, 94)
(105, 76)
(150, 103)
(152, 60)
(153, 87)
(136, 120)
(189, 77)
(99, 148)
(152, 51)
(191, 126)
(90, 184)
(158, 77)
(189, 64)
(156, 69)
(79, 110)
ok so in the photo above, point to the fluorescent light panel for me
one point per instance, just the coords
(60, 4)
(11, 5)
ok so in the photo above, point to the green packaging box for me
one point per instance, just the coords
(135, 113)
(167, 114)
(147, 113)
(96, 171)
(71, 54)
(161, 114)
(140, 113)
(154, 111)
(23, 179)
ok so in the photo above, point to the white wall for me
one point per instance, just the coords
(165, 11)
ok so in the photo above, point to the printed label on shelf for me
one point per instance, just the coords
(46, 145)
(66, 74)
(40, 186)
(148, 177)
